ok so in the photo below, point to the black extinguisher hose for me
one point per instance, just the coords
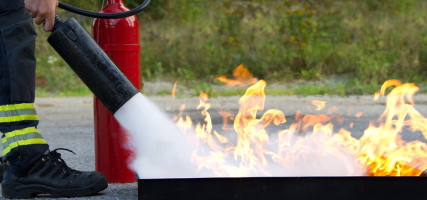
(105, 15)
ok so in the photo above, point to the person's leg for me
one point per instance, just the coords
(22, 143)
(30, 167)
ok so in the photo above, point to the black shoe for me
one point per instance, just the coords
(51, 175)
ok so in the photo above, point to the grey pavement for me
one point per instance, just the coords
(67, 122)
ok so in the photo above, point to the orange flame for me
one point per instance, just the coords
(242, 77)
(255, 152)
(174, 90)
(226, 115)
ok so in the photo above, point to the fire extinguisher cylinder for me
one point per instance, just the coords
(91, 64)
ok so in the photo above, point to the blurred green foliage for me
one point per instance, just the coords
(360, 44)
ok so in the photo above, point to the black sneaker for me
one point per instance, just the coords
(51, 175)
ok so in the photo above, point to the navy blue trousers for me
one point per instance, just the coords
(22, 143)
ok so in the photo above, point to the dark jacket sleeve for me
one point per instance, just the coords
(9, 5)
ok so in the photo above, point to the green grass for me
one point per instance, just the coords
(304, 88)
(195, 41)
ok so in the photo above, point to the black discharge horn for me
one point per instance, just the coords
(91, 64)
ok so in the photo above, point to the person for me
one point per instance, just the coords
(30, 168)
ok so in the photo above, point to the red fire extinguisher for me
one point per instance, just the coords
(120, 40)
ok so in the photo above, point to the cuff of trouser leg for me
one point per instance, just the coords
(23, 137)
(18, 112)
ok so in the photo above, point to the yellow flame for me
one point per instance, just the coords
(379, 152)
(319, 104)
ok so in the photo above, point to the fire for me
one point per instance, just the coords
(319, 104)
(381, 147)
(310, 145)
(242, 77)
(174, 89)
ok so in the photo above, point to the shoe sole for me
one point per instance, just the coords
(20, 191)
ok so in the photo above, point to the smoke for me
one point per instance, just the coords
(316, 155)
(312, 155)
(163, 151)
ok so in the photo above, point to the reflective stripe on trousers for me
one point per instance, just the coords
(17, 112)
(27, 136)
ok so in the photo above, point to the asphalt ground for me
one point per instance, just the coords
(67, 122)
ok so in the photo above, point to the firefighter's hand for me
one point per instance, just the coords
(43, 11)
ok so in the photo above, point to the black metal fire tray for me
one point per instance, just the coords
(313, 188)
